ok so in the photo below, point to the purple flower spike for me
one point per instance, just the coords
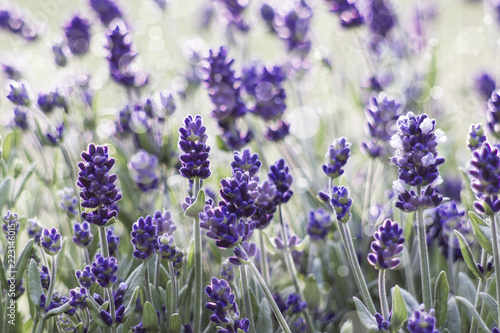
(408, 201)
(278, 132)
(51, 241)
(341, 203)
(83, 234)
(11, 224)
(387, 245)
(380, 18)
(45, 277)
(232, 12)
(337, 155)
(475, 137)
(143, 167)
(21, 118)
(164, 223)
(383, 325)
(485, 85)
(170, 252)
(319, 224)
(98, 186)
(144, 238)
(347, 11)
(35, 229)
(295, 304)
(227, 271)
(485, 174)
(78, 297)
(107, 10)
(266, 204)
(69, 200)
(246, 162)
(104, 270)
(422, 322)
(193, 142)
(113, 242)
(77, 33)
(85, 277)
(416, 154)
(19, 94)
(281, 178)
(493, 114)
(239, 193)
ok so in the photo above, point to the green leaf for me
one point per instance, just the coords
(347, 327)
(468, 189)
(264, 320)
(470, 308)
(467, 254)
(34, 283)
(94, 311)
(312, 294)
(482, 231)
(149, 318)
(24, 257)
(135, 279)
(453, 321)
(4, 191)
(3, 276)
(491, 303)
(410, 301)
(365, 316)
(399, 312)
(79, 328)
(465, 287)
(58, 310)
(27, 176)
(8, 145)
(221, 144)
(441, 292)
(197, 207)
(174, 325)
(129, 310)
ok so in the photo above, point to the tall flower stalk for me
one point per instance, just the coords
(418, 162)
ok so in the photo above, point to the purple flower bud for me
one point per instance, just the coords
(164, 223)
(222, 302)
(294, 304)
(69, 201)
(45, 277)
(19, 94)
(104, 270)
(341, 203)
(246, 162)
(279, 175)
(421, 321)
(143, 167)
(239, 193)
(78, 297)
(20, 118)
(266, 204)
(11, 224)
(475, 137)
(51, 241)
(387, 245)
(83, 234)
(337, 155)
(107, 10)
(144, 238)
(193, 142)
(383, 325)
(278, 132)
(319, 224)
(77, 33)
(35, 229)
(85, 277)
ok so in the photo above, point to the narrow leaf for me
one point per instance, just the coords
(399, 312)
(441, 292)
(34, 283)
(24, 257)
(347, 327)
(129, 310)
(197, 207)
(482, 232)
(58, 310)
(149, 318)
(174, 325)
(365, 316)
(490, 302)
(136, 278)
(470, 308)
(264, 320)
(312, 294)
(467, 254)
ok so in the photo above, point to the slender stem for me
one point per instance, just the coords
(53, 272)
(42, 324)
(345, 235)
(263, 257)
(424, 258)
(173, 286)
(157, 271)
(366, 200)
(480, 288)
(269, 296)
(496, 258)
(246, 297)
(384, 305)
(292, 271)
(112, 309)
(198, 285)
(103, 240)
(149, 297)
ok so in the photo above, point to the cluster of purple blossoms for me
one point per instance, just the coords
(164, 223)
(224, 91)
(60, 52)
(85, 277)
(56, 301)
(280, 176)
(379, 18)
(294, 304)
(319, 224)
(246, 162)
(77, 33)
(170, 252)
(99, 191)
(193, 143)
(35, 229)
(265, 87)
(104, 270)
(45, 277)
(341, 203)
(10, 223)
(447, 218)
(337, 155)
(15, 23)
(383, 325)
(238, 194)
(223, 305)
(19, 94)
(381, 114)
(485, 174)
(348, 12)
(493, 114)
(21, 118)
(418, 161)
(144, 238)
(422, 322)
(113, 241)
(120, 308)
(227, 271)
(78, 298)
(387, 245)
(121, 56)
(232, 13)
(143, 167)
(69, 200)
(107, 10)
(54, 135)
(83, 234)
(485, 85)
(475, 137)
(51, 241)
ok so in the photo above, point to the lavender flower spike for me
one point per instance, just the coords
(83, 234)
(104, 270)
(239, 193)
(422, 322)
(341, 202)
(485, 173)
(193, 142)
(387, 245)
(144, 238)
(78, 35)
(51, 241)
(475, 137)
(337, 155)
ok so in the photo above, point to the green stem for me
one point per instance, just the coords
(366, 200)
(424, 258)
(103, 240)
(292, 271)
(198, 285)
(384, 305)
(42, 324)
(149, 297)
(496, 258)
(157, 272)
(112, 310)
(53, 272)
(480, 288)
(246, 297)
(263, 257)
(173, 286)
(269, 296)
